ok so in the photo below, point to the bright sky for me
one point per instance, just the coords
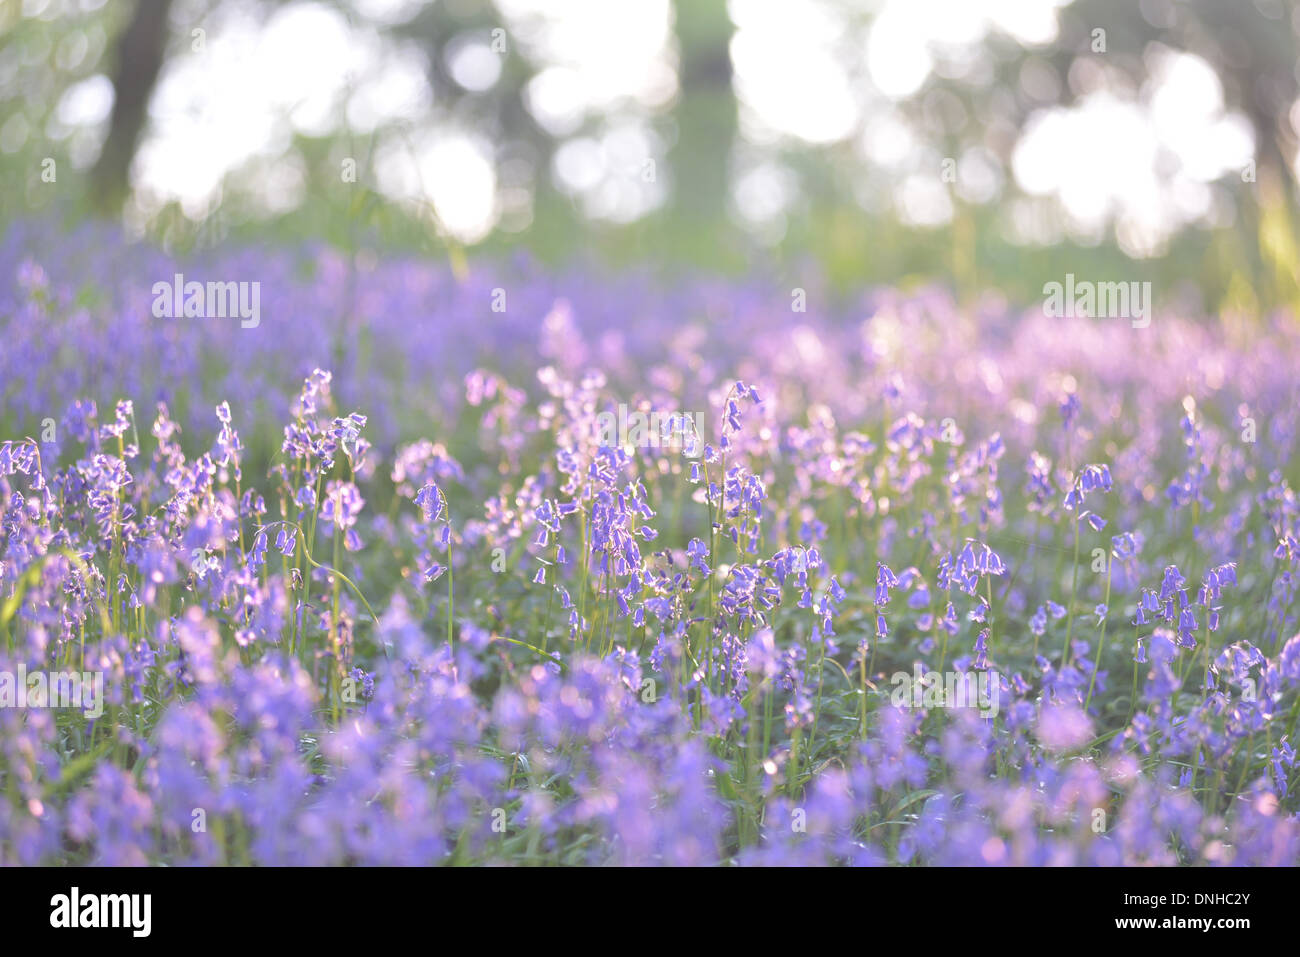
(806, 72)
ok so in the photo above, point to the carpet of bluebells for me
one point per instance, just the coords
(368, 584)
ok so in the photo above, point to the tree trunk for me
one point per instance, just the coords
(140, 53)
(705, 114)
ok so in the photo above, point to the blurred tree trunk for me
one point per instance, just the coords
(140, 52)
(705, 114)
